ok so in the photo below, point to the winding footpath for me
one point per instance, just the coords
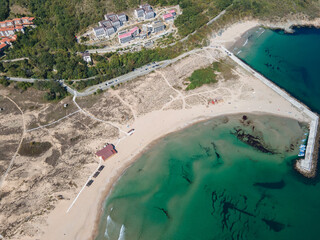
(305, 165)
(21, 139)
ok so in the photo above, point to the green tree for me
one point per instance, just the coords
(4, 81)
(4, 9)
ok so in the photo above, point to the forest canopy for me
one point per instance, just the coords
(52, 46)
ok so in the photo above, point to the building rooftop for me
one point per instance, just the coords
(98, 28)
(158, 24)
(2, 45)
(7, 29)
(124, 35)
(172, 11)
(127, 34)
(168, 15)
(106, 23)
(106, 152)
(133, 29)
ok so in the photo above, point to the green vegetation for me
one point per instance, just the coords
(112, 65)
(99, 91)
(23, 85)
(225, 69)
(54, 90)
(202, 76)
(52, 47)
(4, 81)
(4, 9)
(209, 74)
(34, 149)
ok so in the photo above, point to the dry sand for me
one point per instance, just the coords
(154, 106)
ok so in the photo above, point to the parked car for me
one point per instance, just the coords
(89, 183)
(96, 174)
(101, 168)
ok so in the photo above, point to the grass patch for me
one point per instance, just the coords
(34, 149)
(202, 76)
(209, 74)
(225, 68)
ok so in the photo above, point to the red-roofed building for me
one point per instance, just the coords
(9, 23)
(17, 21)
(5, 32)
(27, 20)
(128, 36)
(173, 12)
(19, 28)
(168, 17)
(106, 152)
(9, 27)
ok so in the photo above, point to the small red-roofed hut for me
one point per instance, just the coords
(106, 152)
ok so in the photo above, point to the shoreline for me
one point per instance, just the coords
(108, 189)
(305, 166)
(87, 225)
(310, 174)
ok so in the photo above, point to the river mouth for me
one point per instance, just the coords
(207, 182)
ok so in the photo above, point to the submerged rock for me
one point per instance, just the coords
(273, 225)
(254, 141)
(271, 185)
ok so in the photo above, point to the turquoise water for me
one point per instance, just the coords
(227, 178)
(292, 61)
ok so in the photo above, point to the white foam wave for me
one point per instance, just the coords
(110, 226)
(239, 52)
(122, 233)
(261, 33)
(245, 42)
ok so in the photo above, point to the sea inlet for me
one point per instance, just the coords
(231, 177)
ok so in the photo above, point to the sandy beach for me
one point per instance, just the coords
(153, 118)
(81, 221)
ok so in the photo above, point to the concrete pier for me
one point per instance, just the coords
(306, 166)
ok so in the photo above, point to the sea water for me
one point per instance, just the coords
(228, 178)
(292, 61)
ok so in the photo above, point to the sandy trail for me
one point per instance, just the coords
(149, 102)
(20, 142)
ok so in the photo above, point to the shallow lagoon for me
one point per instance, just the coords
(227, 178)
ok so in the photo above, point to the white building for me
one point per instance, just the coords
(99, 32)
(139, 12)
(86, 57)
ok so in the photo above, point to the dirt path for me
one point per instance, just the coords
(22, 137)
(95, 118)
(180, 95)
(126, 104)
(49, 124)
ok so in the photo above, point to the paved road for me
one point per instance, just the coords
(113, 49)
(15, 60)
(132, 75)
(146, 69)
(208, 23)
